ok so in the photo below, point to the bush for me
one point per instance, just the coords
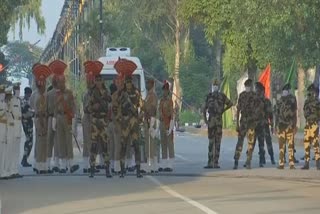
(189, 117)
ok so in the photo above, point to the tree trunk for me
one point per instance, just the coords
(300, 99)
(176, 80)
(218, 55)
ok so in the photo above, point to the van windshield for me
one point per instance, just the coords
(108, 80)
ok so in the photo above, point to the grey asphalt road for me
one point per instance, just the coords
(189, 189)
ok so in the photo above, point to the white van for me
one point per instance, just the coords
(109, 73)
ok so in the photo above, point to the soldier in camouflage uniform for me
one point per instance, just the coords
(262, 129)
(312, 115)
(27, 124)
(248, 107)
(130, 102)
(98, 107)
(286, 122)
(216, 104)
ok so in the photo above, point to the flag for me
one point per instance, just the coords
(265, 79)
(240, 83)
(227, 115)
(292, 75)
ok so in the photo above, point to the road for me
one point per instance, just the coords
(190, 189)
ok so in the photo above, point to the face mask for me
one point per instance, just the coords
(17, 93)
(248, 89)
(2, 96)
(215, 88)
(285, 93)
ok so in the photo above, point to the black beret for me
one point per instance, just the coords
(259, 86)
(248, 82)
(27, 90)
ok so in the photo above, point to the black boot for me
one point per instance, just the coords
(306, 165)
(318, 164)
(108, 175)
(139, 172)
(24, 162)
(272, 160)
(235, 164)
(122, 169)
(92, 170)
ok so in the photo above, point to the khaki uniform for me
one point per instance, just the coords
(39, 104)
(166, 125)
(286, 121)
(3, 137)
(51, 135)
(150, 113)
(64, 108)
(86, 129)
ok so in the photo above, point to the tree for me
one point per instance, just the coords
(23, 14)
(22, 56)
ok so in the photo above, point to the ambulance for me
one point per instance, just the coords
(109, 73)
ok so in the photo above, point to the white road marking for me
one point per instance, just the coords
(181, 157)
(177, 195)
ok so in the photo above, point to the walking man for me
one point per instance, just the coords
(216, 104)
(27, 124)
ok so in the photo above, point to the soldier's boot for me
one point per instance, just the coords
(262, 161)
(108, 174)
(318, 164)
(272, 160)
(92, 171)
(139, 172)
(306, 165)
(292, 167)
(235, 166)
(24, 162)
(122, 169)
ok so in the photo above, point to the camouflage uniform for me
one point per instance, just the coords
(312, 115)
(216, 103)
(27, 124)
(130, 101)
(98, 107)
(286, 120)
(247, 106)
(262, 130)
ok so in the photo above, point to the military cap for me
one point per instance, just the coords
(248, 82)
(27, 90)
(215, 82)
(259, 86)
(2, 88)
(286, 87)
(16, 86)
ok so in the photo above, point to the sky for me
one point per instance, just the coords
(51, 10)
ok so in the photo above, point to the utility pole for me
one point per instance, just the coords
(101, 29)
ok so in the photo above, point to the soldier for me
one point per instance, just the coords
(286, 122)
(112, 142)
(39, 104)
(98, 108)
(116, 122)
(247, 102)
(312, 115)
(166, 129)
(262, 130)
(52, 144)
(150, 113)
(3, 131)
(216, 104)
(27, 124)
(64, 110)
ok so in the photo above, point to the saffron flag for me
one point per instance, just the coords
(265, 79)
(227, 115)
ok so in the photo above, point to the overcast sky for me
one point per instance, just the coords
(51, 10)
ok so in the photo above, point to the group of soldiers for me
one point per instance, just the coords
(256, 119)
(117, 124)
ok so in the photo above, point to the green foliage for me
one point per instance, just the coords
(189, 117)
(195, 80)
(22, 56)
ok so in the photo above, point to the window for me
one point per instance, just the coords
(108, 80)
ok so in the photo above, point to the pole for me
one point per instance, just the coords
(100, 21)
